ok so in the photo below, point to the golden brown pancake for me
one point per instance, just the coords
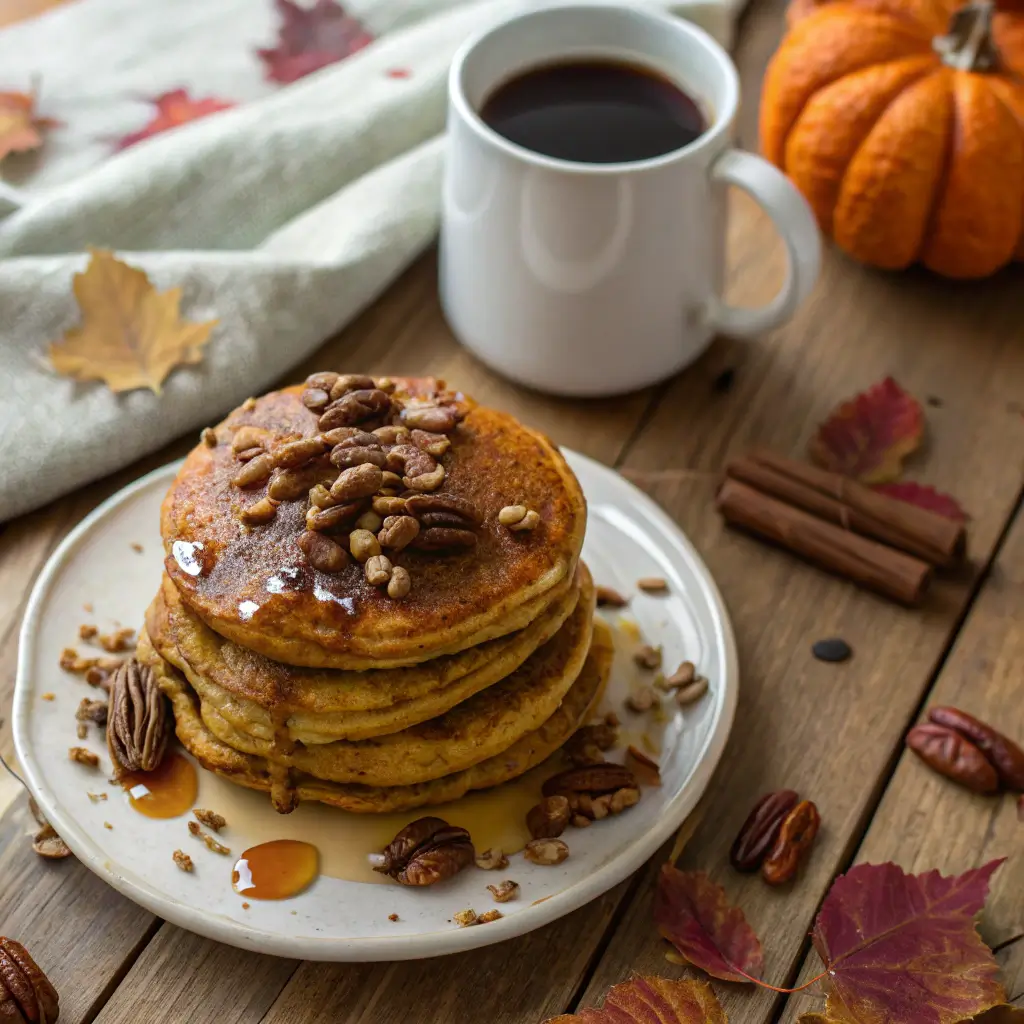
(252, 584)
(255, 773)
(252, 692)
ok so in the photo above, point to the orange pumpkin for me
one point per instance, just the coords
(902, 122)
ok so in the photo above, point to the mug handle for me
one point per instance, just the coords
(792, 217)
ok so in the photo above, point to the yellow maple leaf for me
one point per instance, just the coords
(131, 336)
(20, 127)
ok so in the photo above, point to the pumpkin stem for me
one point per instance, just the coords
(968, 45)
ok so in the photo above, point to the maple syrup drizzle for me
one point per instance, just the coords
(276, 870)
(166, 792)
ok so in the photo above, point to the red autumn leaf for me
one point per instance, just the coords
(648, 1000)
(310, 38)
(925, 497)
(869, 436)
(173, 109)
(899, 947)
(20, 127)
(691, 911)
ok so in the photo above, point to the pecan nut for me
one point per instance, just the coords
(347, 382)
(1007, 758)
(139, 724)
(248, 437)
(323, 553)
(796, 834)
(354, 408)
(398, 532)
(593, 779)
(444, 538)
(546, 852)
(761, 829)
(297, 453)
(947, 752)
(420, 471)
(255, 471)
(585, 747)
(292, 484)
(549, 818)
(26, 994)
(433, 444)
(356, 482)
(358, 455)
(426, 851)
(400, 583)
(333, 518)
(436, 419)
(450, 504)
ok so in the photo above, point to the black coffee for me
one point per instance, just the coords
(594, 112)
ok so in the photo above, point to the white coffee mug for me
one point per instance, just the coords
(595, 279)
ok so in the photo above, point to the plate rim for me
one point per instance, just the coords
(390, 947)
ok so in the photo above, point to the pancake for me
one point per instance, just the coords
(472, 731)
(252, 692)
(255, 773)
(253, 585)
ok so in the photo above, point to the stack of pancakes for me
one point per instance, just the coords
(322, 685)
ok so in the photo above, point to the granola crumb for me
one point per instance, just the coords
(211, 819)
(488, 916)
(81, 731)
(136, 546)
(86, 632)
(83, 756)
(652, 585)
(108, 826)
(49, 696)
(119, 640)
(392, 917)
(96, 797)
(465, 918)
(183, 860)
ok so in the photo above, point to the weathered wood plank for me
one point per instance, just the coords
(924, 821)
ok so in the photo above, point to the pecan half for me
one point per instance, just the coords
(585, 747)
(298, 453)
(947, 752)
(607, 597)
(139, 725)
(505, 891)
(354, 408)
(400, 583)
(392, 434)
(595, 779)
(426, 851)
(323, 379)
(796, 835)
(25, 992)
(442, 501)
(759, 832)
(492, 860)
(351, 382)
(420, 471)
(358, 455)
(292, 484)
(437, 419)
(1007, 758)
(546, 852)
(249, 437)
(255, 471)
(323, 553)
(315, 399)
(444, 538)
(433, 444)
(549, 818)
(356, 482)
(336, 517)
(398, 532)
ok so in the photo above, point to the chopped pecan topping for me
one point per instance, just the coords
(505, 891)
(389, 506)
(648, 657)
(398, 532)
(548, 819)
(363, 545)
(586, 745)
(547, 852)
(488, 916)
(691, 692)
(209, 437)
(653, 584)
(465, 918)
(400, 583)
(529, 522)
(139, 724)
(420, 471)
(356, 482)
(347, 382)
(259, 513)
(642, 699)
(323, 553)
(211, 843)
(426, 851)
(378, 570)
(83, 756)
(433, 444)
(369, 521)
(609, 598)
(183, 860)
(437, 419)
(392, 434)
(249, 437)
(87, 632)
(681, 677)
(297, 453)
(291, 484)
(644, 768)
(354, 408)
(450, 504)
(336, 517)
(255, 472)
(443, 538)
(211, 819)
(491, 860)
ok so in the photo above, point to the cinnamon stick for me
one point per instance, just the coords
(864, 561)
(851, 505)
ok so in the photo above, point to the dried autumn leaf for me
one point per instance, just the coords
(310, 38)
(904, 947)
(20, 127)
(131, 336)
(173, 109)
(692, 912)
(869, 436)
(925, 497)
(650, 1000)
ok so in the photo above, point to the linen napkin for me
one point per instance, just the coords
(280, 218)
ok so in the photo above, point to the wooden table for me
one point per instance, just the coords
(832, 732)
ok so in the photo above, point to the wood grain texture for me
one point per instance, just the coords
(924, 821)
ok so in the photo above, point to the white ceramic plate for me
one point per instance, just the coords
(628, 537)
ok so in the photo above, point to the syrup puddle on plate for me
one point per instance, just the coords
(167, 792)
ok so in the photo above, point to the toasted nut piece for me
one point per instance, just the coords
(596, 779)
(398, 532)
(92, 711)
(249, 404)
(400, 584)
(369, 520)
(324, 379)
(505, 891)
(298, 453)
(261, 512)
(389, 506)
(351, 382)
(315, 399)
(488, 916)
(183, 860)
(378, 570)
(338, 515)
(441, 538)
(652, 585)
(248, 454)
(83, 756)
(683, 675)
(248, 437)
(363, 545)
(209, 437)
(434, 418)
(465, 918)
(355, 455)
(386, 384)
(548, 819)
(609, 598)
(692, 692)
(354, 408)
(648, 657)
(644, 768)
(356, 482)
(546, 851)
(323, 553)
(529, 522)
(321, 497)
(211, 843)
(434, 444)
(642, 700)
(290, 484)
(491, 860)
(48, 844)
(425, 481)
(334, 437)
(393, 434)
(211, 819)
(445, 503)
(511, 514)
(581, 821)
(623, 798)
(255, 471)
